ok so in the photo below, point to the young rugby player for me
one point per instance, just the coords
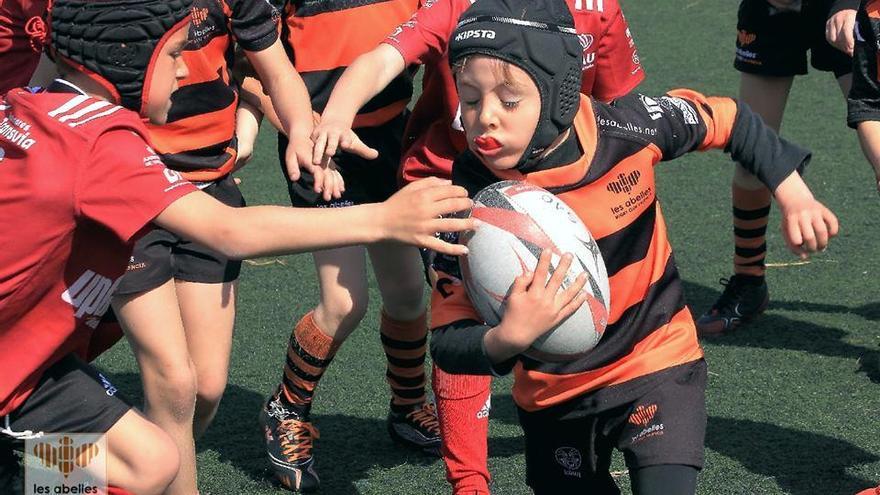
(773, 37)
(74, 233)
(642, 388)
(433, 137)
(863, 102)
(322, 39)
(177, 299)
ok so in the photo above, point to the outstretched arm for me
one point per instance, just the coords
(411, 216)
(365, 78)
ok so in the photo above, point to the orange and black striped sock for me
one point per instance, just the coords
(751, 209)
(309, 353)
(405, 347)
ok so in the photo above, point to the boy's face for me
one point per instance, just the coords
(500, 107)
(168, 68)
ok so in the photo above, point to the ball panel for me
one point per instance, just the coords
(519, 220)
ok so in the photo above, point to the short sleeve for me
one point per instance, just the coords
(255, 24)
(618, 67)
(423, 39)
(125, 185)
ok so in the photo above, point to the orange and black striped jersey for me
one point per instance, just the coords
(324, 37)
(610, 185)
(199, 137)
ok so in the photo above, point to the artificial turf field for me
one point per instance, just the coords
(793, 399)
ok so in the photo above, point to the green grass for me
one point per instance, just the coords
(792, 399)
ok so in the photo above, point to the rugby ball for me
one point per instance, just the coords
(518, 221)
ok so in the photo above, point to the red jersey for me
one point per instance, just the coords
(23, 29)
(80, 181)
(434, 136)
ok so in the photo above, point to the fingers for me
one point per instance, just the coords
(521, 283)
(831, 221)
(426, 183)
(320, 140)
(450, 206)
(453, 224)
(291, 164)
(542, 270)
(792, 233)
(574, 296)
(441, 246)
(353, 144)
(559, 274)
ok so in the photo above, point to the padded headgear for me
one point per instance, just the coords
(115, 42)
(539, 37)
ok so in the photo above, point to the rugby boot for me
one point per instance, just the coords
(289, 442)
(743, 299)
(416, 427)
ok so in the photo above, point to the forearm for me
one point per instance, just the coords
(365, 78)
(761, 151)
(291, 103)
(460, 348)
(869, 138)
(274, 230)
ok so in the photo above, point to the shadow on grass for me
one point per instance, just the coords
(772, 331)
(348, 448)
(802, 463)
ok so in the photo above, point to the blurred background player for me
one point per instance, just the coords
(78, 230)
(434, 137)
(641, 390)
(177, 300)
(322, 39)
(23, 33)
(863, 102)
(773, 37)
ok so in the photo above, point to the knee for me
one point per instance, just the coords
(406, 302)
(746, 180)
(155, 464)
(210, 390)
(174, 392)
(342, 311)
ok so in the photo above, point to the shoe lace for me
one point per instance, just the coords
(297, 438)
(732, 295)
(425, 417)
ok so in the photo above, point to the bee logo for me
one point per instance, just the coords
(643, 415)
(66, 457)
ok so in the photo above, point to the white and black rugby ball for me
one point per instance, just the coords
(518, 221)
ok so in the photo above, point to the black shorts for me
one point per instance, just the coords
(770, 42)
(160, 255)
(71, 397)
(366, 181)
(656, 419)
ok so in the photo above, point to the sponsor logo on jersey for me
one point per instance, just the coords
(655, 111)
(475, 33)
(90, 296)
(745, 38)
(687, 111)
(644, 416)
(199, 16)
(17, 132)
(570, 459)
(590, 5)
(589, 58)
(624, 183)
